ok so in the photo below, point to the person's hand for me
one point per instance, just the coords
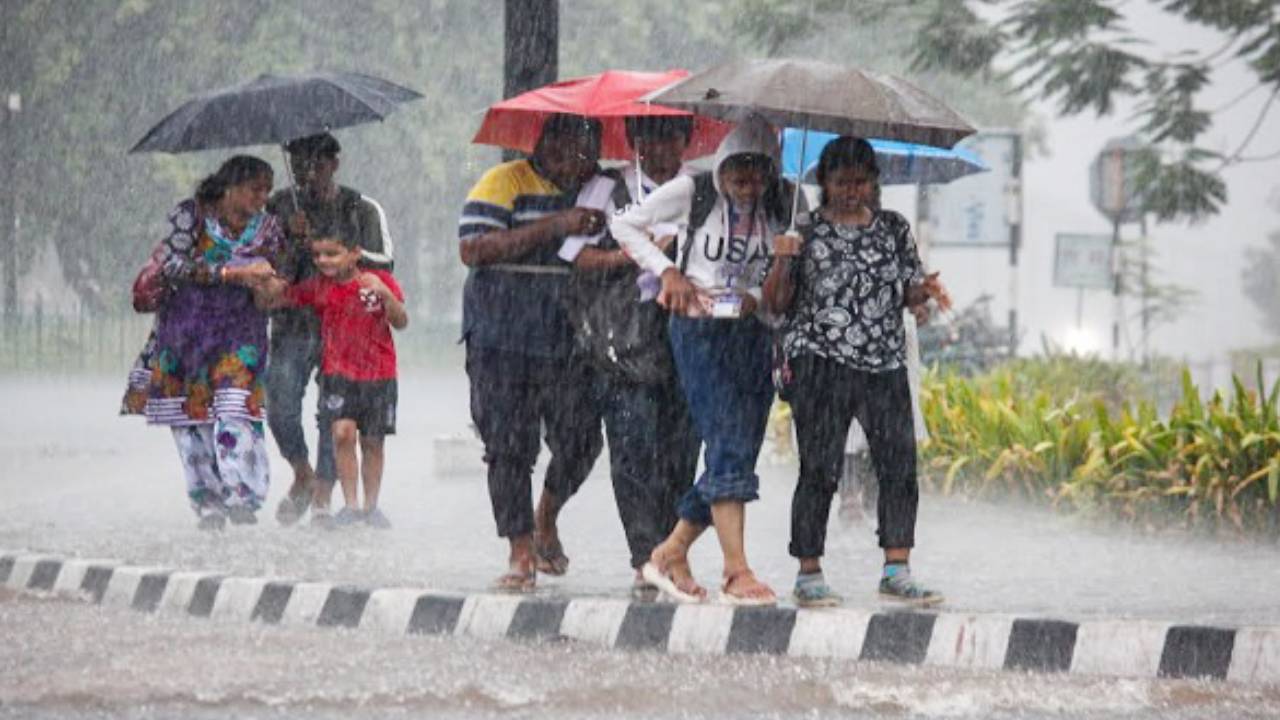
(921, 312)
(579, 221)
(369, 281)
(933, 288)
(678, 294)
(748, 305)
(298, 225)
(786, 245)
(252, 274)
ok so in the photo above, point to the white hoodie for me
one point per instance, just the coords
(716, 264)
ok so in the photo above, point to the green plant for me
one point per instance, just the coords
(1023, 430)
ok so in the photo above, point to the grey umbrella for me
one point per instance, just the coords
(274, 109)
(819, 96)
(816, 95)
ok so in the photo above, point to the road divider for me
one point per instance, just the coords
(1117, 648)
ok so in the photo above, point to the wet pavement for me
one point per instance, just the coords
(63, 659)
(77, 480)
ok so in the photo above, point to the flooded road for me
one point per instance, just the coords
(77, 480)
(68, 660)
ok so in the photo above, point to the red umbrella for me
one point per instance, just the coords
(610, 96)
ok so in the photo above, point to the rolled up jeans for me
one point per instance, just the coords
(290, 365)
(724, 368)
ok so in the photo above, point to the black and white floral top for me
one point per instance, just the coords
(850, 283)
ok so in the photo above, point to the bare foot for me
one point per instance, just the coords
(743, 588)
(670, 572)
(548, 551)
(521, 576)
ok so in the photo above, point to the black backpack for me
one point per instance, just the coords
(612, 329)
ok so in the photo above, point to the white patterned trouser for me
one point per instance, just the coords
(225, 463)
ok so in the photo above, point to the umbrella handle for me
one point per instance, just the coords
(288, 171)
(795, 197)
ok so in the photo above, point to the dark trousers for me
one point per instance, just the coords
(825, 398)
(653, 456)
(290, 364)
(513, 397)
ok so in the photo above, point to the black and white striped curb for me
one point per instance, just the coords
(1124, 648)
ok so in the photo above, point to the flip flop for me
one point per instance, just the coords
(664, 582)
(516, 582)
(550, 559)
(729, 598)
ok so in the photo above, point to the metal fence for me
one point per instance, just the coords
(37, 342)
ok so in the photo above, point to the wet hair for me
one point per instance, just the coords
(661, 127)
(847, 152)
(321, 145)
(332, 230)
(748, 161)
(236, 170)
(562, 125)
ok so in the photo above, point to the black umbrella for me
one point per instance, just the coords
(274, 109)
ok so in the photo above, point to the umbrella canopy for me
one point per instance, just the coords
(274, 109)
(819, 96)
(900, 163)
(610, 97)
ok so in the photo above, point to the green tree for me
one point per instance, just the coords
(1261, 278)
(1084, 55)
(95, 76)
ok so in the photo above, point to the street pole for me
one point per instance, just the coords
(1146, 294)
(1014, 215)
(530, 47)
(1116, 288)
(8, 215)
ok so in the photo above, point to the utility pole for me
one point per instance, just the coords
(8, 209)
(12, 74)
(530, 47)
(1013, 214)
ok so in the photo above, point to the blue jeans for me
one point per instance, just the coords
(290, 365)
(725, 368)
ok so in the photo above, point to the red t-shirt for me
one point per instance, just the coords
(357, 339)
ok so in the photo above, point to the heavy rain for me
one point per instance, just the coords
(605, 359)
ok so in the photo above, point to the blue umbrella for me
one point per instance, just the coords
(901, 163)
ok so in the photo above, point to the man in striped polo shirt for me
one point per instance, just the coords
(518, 338)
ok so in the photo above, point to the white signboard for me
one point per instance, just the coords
(977, 209)
(1082, 261)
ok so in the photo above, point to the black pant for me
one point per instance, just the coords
(653, 454)
(513, 396)
(826, 397)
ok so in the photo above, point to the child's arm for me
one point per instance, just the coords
(271, 294)
(397, 316)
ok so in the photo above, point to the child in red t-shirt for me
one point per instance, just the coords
(357, 309)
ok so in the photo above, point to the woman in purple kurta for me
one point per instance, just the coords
(211, 340)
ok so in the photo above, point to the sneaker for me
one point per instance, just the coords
(212, 520)
(346, 517)
(816, 595)
(377, 520)
(242, 515)
(904, 588)
(321, 519)
(291, 509)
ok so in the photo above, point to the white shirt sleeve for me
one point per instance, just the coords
(668, 204)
